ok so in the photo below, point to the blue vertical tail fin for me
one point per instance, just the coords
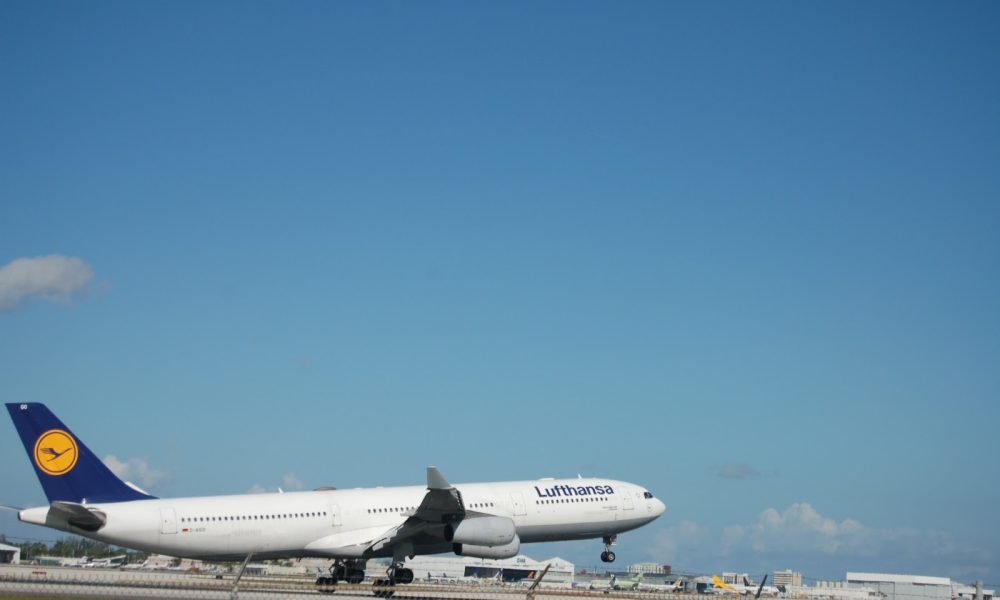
(66, 468)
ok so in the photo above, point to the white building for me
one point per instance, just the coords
(9, 555)
(911, 587)
(835, 590)
(649, 568)
(968, 592)
(787, 578)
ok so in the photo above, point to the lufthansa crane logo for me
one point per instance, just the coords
(55, 452)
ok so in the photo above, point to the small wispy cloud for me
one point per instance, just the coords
(289, 483)
(136, 470)
(736, 471)
(55, 278)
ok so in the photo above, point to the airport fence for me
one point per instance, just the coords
(26, 581)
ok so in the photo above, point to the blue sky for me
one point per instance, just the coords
(743, 253)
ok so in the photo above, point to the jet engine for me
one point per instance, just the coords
(481, 531)
(506, 551)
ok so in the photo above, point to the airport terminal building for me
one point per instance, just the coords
(913, 587)
(9, 555)
(787, 578)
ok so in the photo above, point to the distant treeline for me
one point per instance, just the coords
(74, 547)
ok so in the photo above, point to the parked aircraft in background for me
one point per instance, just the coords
(614, 583)
(107, 563)
(747, 588)
(678, 585)
(721, 587)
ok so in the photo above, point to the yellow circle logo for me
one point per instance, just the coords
(55, 452)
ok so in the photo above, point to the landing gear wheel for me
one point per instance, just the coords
(403, 576)
(608, 556)
(326, 585)
(343, 570)
(355, 576)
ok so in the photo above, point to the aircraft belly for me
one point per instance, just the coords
(344, 544)
(429, 548)
(550, 532)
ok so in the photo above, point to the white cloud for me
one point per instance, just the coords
(800, 527)
(55, 278)
(136, 470)
(800, 535)
(681, 539)
(291, 482)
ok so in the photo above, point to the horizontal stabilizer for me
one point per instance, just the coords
(79, 515)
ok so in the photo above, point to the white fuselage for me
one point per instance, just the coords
(345, 523)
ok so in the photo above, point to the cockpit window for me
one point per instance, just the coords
(647, 495)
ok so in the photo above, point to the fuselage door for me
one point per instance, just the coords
(335, 515)
(168, 521)
(627, 501)
(517, 501)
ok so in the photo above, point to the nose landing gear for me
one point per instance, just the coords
(608, 556)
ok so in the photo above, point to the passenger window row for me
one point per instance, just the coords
(399, 509)
(570, 500)
(391, 510)
(305, 515)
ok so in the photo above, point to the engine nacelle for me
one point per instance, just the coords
(481, 531)
(506, 551)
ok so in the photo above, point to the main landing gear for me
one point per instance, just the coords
(396, 574)
(341, 570)
(608, 556)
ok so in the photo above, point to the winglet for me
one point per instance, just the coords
(435, 480)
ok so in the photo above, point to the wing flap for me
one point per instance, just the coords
(441, 504)
(348, 543)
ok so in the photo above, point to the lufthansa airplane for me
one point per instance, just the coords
(486, 520)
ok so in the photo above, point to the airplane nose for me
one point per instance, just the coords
(660, 507)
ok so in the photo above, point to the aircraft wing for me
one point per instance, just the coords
(441, 504)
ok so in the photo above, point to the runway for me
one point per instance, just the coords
(66, 582)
